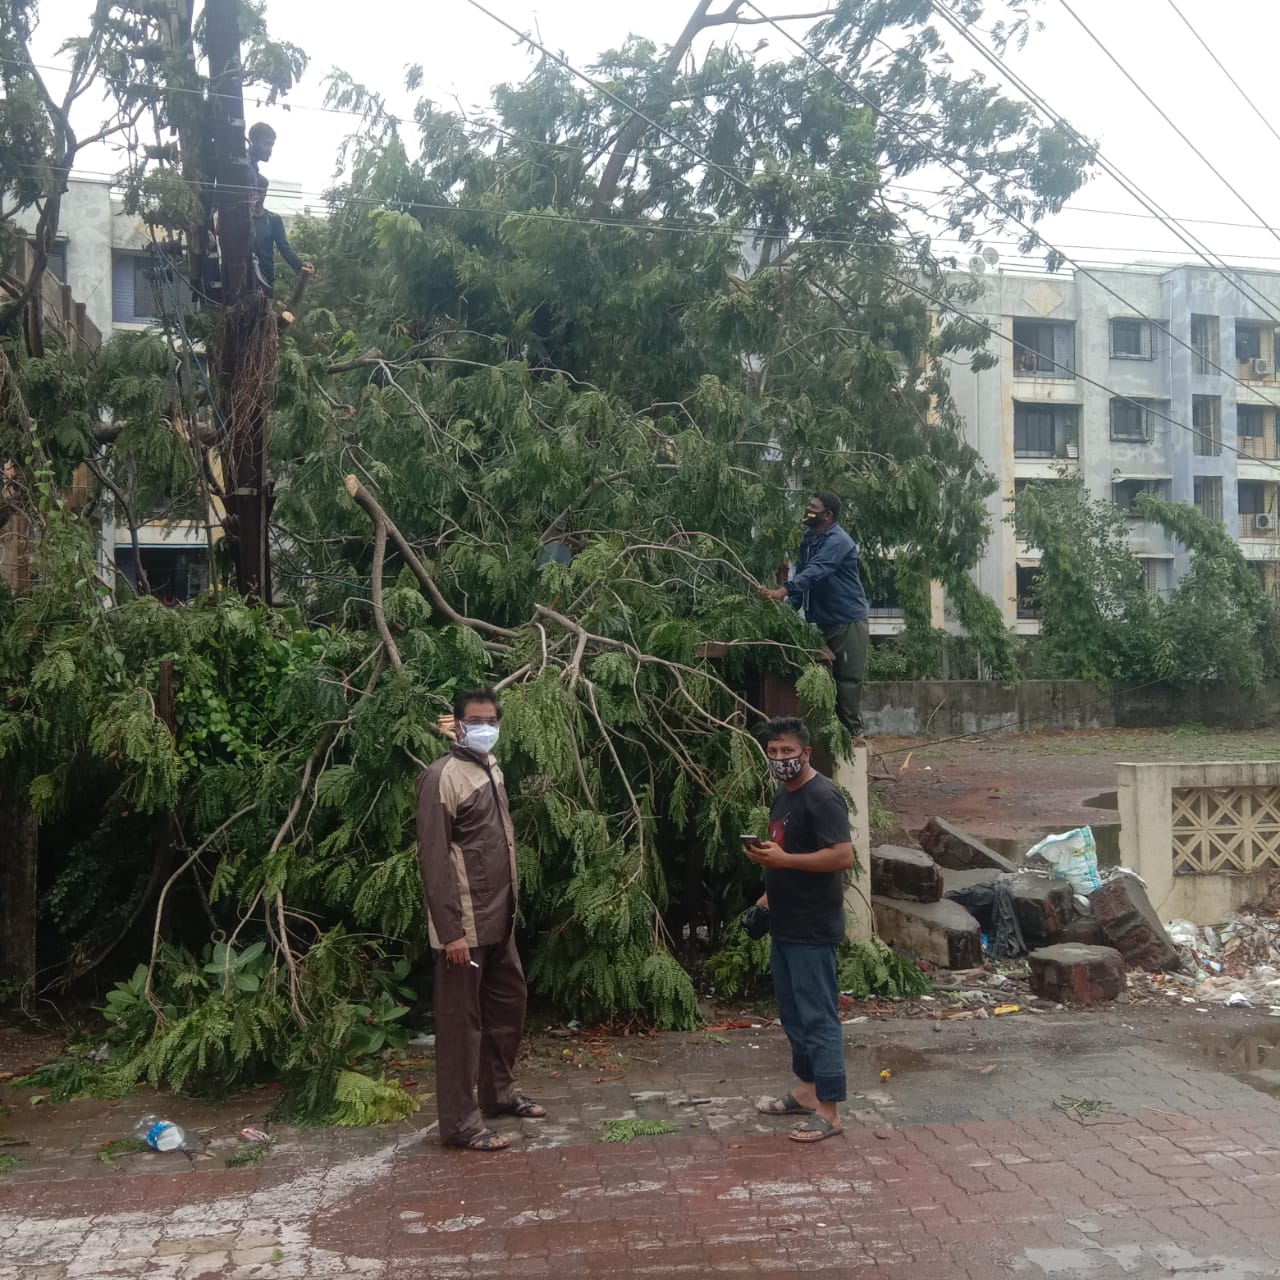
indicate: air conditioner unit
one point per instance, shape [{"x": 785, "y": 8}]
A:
[
  {"x": 1263, "y": 521},
  {"x": 1261, "y": 368}
]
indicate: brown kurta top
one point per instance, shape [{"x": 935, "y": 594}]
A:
[{"x": 467, "y": 848}]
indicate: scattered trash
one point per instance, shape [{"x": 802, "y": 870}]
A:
[
  {"x": 988, "y": 1069},
  {"x": 254, "y": 1135},
  {"x": 1074, "y": 856},
  {"x": 159, "y": 1134},
  {"x": 424, "y": 1041},
  {"x": 885, "y": 1074},
  {"x": 1238, "y": 999},
  {"x": 1002, "y": 1009}
]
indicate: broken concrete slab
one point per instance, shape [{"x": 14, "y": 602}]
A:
[
  {"x": 942, "y": 933},
  {"x": 1086, "y": 930},
  {"x": 910, "y": 874},
  {"x": 950, "y": 847},
  {"x": 1044, "y": 907},
  {"x": 1069, "y": 973},
  {"x": 1131, "y": 924}
]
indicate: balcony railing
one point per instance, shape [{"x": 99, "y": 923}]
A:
[{"x": 1259, "y": 447}]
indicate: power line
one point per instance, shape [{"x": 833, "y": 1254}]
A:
[
  {"x": 1218, "y": 62},
  {"x": 1164, "y": 115},
  {"x": 1009, "y": 213},
  {"x": 1195, "y": 244}
]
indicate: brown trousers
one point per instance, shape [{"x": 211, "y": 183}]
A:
[{"x": 479, "y": 1022}]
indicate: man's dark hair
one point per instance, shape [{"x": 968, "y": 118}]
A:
[
  {"x": 831, "y": 501},
  {"x": 785, "y": 727},
  {"x": 482, "y": 693},
  {"x": 261, "y": 130}
]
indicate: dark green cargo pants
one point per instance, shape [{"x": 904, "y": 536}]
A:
[{"x": 849, "y": 642}]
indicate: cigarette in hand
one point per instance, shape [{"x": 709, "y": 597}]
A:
[{"x": 473, "y": 964}]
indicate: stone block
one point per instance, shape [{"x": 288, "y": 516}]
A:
[
  {"x": 950, "y": 847},
  {"x": 1044, "y": 907},
  {"x": 1086, "y": 930},
  {"x": 1131, "y": 924},
  {"x": 941, "y": 933},
  {"x": 1070, "y": 973},
  {"x": 905, "y": 873}
]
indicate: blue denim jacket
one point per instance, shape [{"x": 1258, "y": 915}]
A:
[{"x": 827, "y": 584}]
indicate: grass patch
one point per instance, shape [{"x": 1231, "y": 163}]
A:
[
  {"x": 248, "y": 1155},
  {"x": 111, "y": 1151},
  {"x": 8, "y": 1163},
  {"x": 630, "y": 1130}
]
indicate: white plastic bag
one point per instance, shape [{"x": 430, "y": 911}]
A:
[{"x": 1074, "y": 856}]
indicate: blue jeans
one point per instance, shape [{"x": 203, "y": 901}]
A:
[{"x": 804, "y": 981}]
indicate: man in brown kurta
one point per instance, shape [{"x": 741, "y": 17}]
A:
[{"x": 467, "y": 848}]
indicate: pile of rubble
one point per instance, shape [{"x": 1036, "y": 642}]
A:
[
  {"x": 1074, "y": 956},
  {"x": 1235, "y": 963}
]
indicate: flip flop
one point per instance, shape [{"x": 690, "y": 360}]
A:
[
  {"x": 815, "y": 1129},
  {"x": 485, "y": 1140},
  {"x": 522, "y": 1107},
  {"x": 784, "y": 1106}
]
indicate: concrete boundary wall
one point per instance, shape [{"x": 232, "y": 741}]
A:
[
  {"x": 941, "y": 708},
  {"x": 1204, "y": 836}
]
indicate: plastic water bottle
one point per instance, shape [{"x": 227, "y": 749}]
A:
[{"x": 160, "y": 1134}]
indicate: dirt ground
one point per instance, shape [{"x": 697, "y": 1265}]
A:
[{"x": 1013, "y": 789}]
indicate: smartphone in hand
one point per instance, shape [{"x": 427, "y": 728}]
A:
[{"x": 750, "y": 842}]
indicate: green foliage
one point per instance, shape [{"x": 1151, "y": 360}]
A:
[
  {"x": 360, "y": 1100},
  {"x": 740, "y": 965},
  {"x": 76, "y": 1076},
  {"x": 1098, "y": 620},
  {"x": 628, "y": 1130},
  {"x": 871, "y": 968},
  {"x": 8, "y": 1163}
]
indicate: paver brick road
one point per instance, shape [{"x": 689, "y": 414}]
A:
[{"x": 948, "y": 1170}]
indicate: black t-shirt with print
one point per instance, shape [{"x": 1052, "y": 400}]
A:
[{"x": 807, "y": 906}]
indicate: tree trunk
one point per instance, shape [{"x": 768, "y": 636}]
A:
[
  {"x": 633, "y": 130},
  {"x": 19, "y": 843}
]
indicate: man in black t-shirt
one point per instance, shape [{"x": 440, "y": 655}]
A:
[{"x": 809, "y": 849}]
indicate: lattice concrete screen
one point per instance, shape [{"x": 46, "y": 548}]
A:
[
  {"x": 1204, "y": 836},
  {"x": 1225, "y": 830}
]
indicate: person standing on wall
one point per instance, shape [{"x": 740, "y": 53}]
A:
[
  {"x": 467, "y": 848},
  {"x": 828, "y": 586}
]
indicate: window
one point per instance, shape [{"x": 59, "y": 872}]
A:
[
  {"x": 1204, "y": 343},
  {"x": 1248, "y": 342},
  {"x": 1132, "y": 340},
  {"x": 1251, "y": 422},
  {"x": 883, "y": 600},
  {"x": 1044, "y": 431},
  {"x": 141, "y": 290},
  {"x": 1027, "y": 577},
  {"x": 1132, "y": 421},
  {"x": 1251, "y": 497},
  {"x": 1155, "y": 573},
  {"x": 1042, "y": 349},
  {"x": 177, "y": 575},
  {"x": 1207, "y": 495},
  {"x": 1206, "y": 422},
  {"x": 57, "y": 265},
  {"x": 1124, "y": 494}
]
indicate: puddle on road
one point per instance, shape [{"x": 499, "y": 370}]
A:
[
  {"x": 1251, "y": 1056},
  {"x": 1105, "y": 800},
  {"x": 1106, "y": 837}
]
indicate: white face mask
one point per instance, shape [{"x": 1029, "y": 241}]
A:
[{"x": 480, "y": 737}]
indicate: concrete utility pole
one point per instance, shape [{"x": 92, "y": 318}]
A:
[{"x": 245, "y": 309}]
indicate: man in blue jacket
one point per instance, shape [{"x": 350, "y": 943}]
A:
[{"x": 828, "y": 587}]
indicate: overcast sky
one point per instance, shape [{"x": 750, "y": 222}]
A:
[{"x": 464, "y": 53}]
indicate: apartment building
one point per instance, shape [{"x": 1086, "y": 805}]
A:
[
  {"x": 104, "y": 257},
  {"x": 1088, "y": 381}
]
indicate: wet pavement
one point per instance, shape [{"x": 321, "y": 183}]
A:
[{"x": 1135, "y": 1143}]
